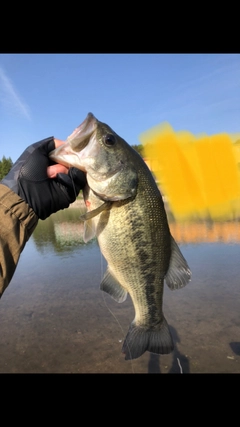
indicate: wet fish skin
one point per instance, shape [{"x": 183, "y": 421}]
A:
[{"x": 132, "y": 232}]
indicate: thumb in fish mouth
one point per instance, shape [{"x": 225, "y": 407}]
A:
[{"x": 53, "y": 170}]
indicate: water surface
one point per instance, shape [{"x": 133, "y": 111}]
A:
[{"x": 54, "y": 318}]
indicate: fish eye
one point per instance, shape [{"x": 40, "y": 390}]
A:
[{"x": 110, "y": 140}]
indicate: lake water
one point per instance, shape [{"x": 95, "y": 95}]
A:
[{"x": 54, "y": 318}]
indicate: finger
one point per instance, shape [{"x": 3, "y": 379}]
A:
[
  {"x": 53, "y": 170},
  {"x": 58, "y": 142}
]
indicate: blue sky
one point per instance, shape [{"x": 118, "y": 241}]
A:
[{"x": 50, "y": 94}]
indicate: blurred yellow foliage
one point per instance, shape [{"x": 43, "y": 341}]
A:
[{"x": 199, "y": 175}]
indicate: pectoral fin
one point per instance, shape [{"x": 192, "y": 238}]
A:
[
  {"x": 89, "y": 230},
  {"x": 111, "y": 286},
  {"x": 95, "y": 212},
  {"x": 89, "y": 225},
  {"x": 178, "y": 274}
]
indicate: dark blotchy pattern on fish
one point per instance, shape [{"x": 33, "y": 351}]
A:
[{"x": 140, "y": 227}]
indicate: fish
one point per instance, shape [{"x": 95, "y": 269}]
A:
[{"x": 126, "y": 213}]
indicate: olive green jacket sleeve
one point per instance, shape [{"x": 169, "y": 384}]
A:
[{"x": 17, "y": 223}]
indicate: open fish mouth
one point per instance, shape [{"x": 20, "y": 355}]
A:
[
  {"x": 80, "y": 137},
  {"x": 75, "y": 143}
]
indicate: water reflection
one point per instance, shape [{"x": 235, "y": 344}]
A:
[
  {"x": 61, "y": 231},
  {"x": 179, "y": 363},
  {"x": 235, "y": 346},
  {"x": 55, "y": 319},
  {"x": 64, "y": 230},
  {"x": 206, "y": 231}
]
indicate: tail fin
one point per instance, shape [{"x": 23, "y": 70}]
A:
[{"x": 140, "y": 339}]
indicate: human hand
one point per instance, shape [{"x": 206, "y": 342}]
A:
[{"x": 46, "y": 186}]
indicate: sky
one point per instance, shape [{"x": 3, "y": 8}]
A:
[{"x": 44, "y": 95}]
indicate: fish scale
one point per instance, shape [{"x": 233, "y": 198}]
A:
[{"x": 143, "y": 275}]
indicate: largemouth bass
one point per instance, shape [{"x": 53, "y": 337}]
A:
[{"x": 125, "y": 211}]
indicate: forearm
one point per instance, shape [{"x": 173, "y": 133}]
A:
[{"x": 18, "y": 222}]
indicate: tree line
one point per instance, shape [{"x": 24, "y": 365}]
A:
[{"x": 5, "y": 166}]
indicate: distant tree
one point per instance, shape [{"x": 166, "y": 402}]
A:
[
  {"x": 5, "y": 166},
  {"x": 139, "y": 149}
]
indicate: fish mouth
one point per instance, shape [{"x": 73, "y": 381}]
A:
[
  {"x": 79, "y": 138},
  {"x": 67, "y": 153},
  {"x": 84, "y": 150}
]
